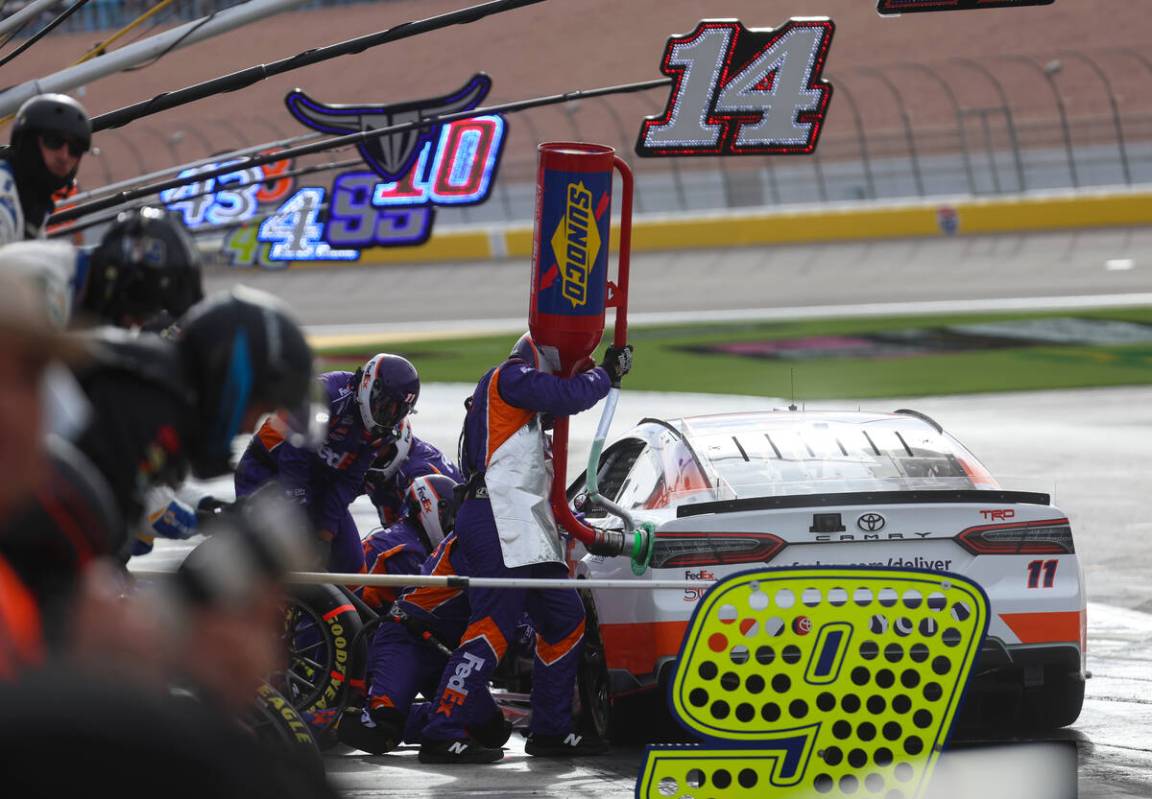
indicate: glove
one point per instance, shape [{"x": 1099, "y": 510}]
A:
[
  {"x": 174, "y": 520},
  {"x": 209, "y": 508},
  {"x": 617, "y": 362},
  {"x": 141, "y": 546}
]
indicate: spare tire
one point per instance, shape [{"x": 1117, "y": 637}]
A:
[{"x": 321, "y": 634}]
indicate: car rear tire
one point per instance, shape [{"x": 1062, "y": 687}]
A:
[
  {"x": 593, "y": 706},
  {"x": 1055, "y": 704}
]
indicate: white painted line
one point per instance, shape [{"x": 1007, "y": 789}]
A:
[
  {"x": 503, "y": 325},
  {"x": 1119, "y": 264}
]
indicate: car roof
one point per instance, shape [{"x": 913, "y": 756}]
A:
[{"x": 783, "y": 418}]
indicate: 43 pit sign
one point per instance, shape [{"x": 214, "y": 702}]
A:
[{"x": 361, "y": 210}]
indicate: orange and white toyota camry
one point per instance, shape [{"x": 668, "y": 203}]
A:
[{"x": 803, "y": 488}]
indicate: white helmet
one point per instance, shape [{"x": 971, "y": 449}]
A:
[
  {"x": 431, "y": 499},
  {"x": 393, "y": 454}
]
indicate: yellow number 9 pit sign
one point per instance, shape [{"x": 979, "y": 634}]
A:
[{"x": 835, "y": 682}]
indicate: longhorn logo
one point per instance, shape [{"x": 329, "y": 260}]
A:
[{"x": 390, "y": 156}]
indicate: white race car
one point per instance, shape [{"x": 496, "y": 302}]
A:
[{"x": 793, "y": 488}]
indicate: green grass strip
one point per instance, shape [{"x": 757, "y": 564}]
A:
[{"x": 662, "y": 363}]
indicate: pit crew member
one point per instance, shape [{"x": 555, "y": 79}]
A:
[
  {"x": 365, "y": 408},
  {"x": 50, "y": 135},
  {"x": 506, "y": 529}
]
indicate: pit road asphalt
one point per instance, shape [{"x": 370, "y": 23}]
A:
[
  {"x": 1093, "y": 448},
  {"x": 1090, "y": 447}
]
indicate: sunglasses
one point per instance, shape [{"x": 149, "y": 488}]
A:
[{"x": 54, "y": 141}]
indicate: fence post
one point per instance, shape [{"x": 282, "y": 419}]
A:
[
  {"x": 865, "y": 159},
  {"x": 951, "y": 95},
  {"x": 773, "y": 183},
  {"x": 1115, "y": 106},
  {"x": 1046, "y": 72},
  {"x": 1013, "y": 139},
  {"x": 908, "y": 135},
  {"x": 623, "y": 134},
  {"x": 990, "y": 146}
]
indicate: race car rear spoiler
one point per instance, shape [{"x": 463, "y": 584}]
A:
[{"x": 865, "y": 498}]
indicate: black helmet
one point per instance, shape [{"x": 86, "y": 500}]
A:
[
  {"x": 242, "y": 349},
  {"x": 55, "y": 114},
  {"x": 145, "y": 266}
]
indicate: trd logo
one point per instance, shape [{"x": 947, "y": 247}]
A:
[{"x": 998, "y": 514}]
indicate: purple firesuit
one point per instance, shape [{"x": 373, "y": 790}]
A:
[
  {"x": 388, "y": 495},
  {"x": 514, "y": 536},
  {"x": 325, "y": 481},
  {"x": 399, "y": 549},
  {"x": 402, "y": 662}
]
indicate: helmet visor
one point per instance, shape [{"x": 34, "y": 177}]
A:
[{"x": 387, "y": 412}]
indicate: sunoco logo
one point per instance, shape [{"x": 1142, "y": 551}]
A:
[{"x": 576, "y": 243}]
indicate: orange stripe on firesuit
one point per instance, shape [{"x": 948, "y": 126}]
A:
[
  {"x": 486, "y": 628},
  {"x": 550, "y": 653},
  {"x": 379, "y": 595},
  {"x": 428, "y": 597},
  {"x": 503, "y": 419}
]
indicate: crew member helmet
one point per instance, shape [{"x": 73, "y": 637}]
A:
[
  {"x": 145, "y": 266},
  {"x": 431, "y": 500},
  {"x": 387, "y": 388}
]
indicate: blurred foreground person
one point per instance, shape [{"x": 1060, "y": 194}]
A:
[
  {"x": 50, "y": 135},
  {"x": 163, "y": 407},
  {"x": 365, "y": 409},
  {"x": 506, "y": 529},
  {"x": 144, "y": 274},
  {"x": 130, "y": 742},
  {"x": 69, "y": 522},
  {"x": 29, "y": 343}
]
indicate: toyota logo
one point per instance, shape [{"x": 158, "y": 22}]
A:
[{"x": 871, "y": 522}]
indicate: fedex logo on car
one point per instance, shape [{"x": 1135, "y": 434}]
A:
[{"x": 694, "y": 594}]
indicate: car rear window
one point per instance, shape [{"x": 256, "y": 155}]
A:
[{"x": 792, "y": 455}]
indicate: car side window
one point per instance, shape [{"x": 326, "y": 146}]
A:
[
  {"x": 644, "y": 485},
  {"x": 616, "y": 463}
]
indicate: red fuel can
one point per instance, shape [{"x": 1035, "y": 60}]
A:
[{"x": 570, "y": 249}]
